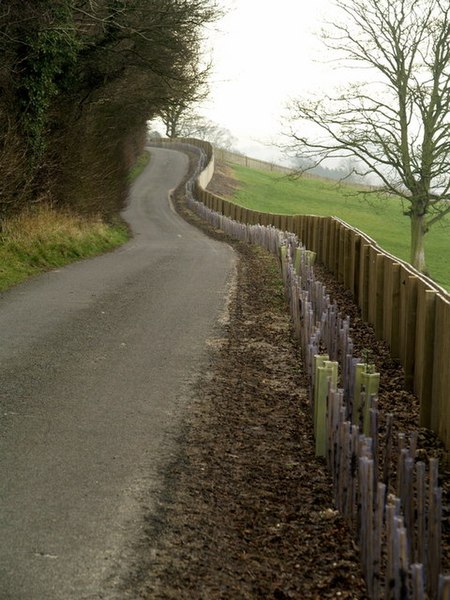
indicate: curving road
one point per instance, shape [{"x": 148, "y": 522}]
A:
[{"x": 96, "y": 361}]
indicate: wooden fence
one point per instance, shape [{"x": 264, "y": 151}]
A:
[
  {"x": 407, "y": 310},
  {"x": 394, "y": 505}
]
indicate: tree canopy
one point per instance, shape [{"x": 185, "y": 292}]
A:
[
  {"x": 78, "y": 82},
  {"x": 395, "y": 124}
]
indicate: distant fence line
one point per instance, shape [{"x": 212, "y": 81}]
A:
[
  {"x": 251, "y": 163},
  {"x": 261, "y": 165},
  {"x": 407, "y": 310}
]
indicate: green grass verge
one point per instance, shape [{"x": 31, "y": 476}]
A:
[
  {"x": 138, "y": 167},
  {"x": 380, "y": 218},
  {"x": 44, "y": 239}
]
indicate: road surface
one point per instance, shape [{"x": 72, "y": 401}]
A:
[{"x": 97, "y": 361}]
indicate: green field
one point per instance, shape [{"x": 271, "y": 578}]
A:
[{"x": 380, "y": 218}]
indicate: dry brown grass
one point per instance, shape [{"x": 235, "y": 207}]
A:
[
  {"x": 41, "y": 238},
  {"x": 41, "y": 222}
]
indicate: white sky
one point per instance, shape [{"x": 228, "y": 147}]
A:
[{"x": 263, "y": 54}]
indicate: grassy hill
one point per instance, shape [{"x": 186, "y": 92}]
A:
[{"x": 379, "y": 217}]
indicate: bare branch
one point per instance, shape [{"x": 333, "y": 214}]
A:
[{"x": 400, "y": 127}]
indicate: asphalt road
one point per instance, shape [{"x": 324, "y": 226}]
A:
[{"x": 97, "y": 361}]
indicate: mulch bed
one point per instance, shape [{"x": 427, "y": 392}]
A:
[{"x": 252, "y": 514}]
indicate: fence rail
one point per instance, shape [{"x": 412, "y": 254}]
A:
[{"x": 407, "y": 310}]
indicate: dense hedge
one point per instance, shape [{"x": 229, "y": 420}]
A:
[{"x": 78, "y": 81}]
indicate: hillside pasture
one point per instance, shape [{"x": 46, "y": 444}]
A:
[{"x": 379, "y": 217}]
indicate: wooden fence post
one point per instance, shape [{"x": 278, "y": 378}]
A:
[
  {"x": 375, "y": 291},
  {"x": 275, "y": 220},
  {"x": 331, "y": 245},
  {"x": 290, "y": 223},
  {"x": 227, "y": 208},
  {"x": 425, "y": 332},
  {"x": 336, "y": 249},
  {"x": 324, "y": 256},
  {"x": 379, "y": 312},
  {"x": 356, "y": 256},
  {"x": 440, "y": 410},
  {"x": 348, "y": 259},
  {"x": 341, "y": 253},
  {"x": 408, "y": 336},
  {"x": 392, "y": 309},
  {"x": 316, "y": 235},
  {"x": 364, "y": 279}
]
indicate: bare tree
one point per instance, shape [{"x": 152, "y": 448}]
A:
[
  {"x": 184, "y": 94},
  {"x": 397, "y": 126},
  {"x": 197, "y": 126}
]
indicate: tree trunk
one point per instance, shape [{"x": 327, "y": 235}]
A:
[{"x": 418, "y": 231}]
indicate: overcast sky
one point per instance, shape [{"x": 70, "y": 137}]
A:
[{"x": 263, "y": 54}]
